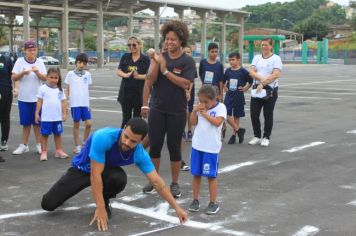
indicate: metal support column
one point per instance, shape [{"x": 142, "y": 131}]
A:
[
  {"x": 157, "y": 26},
  {"x": 82, "y": 46},
  {"x": 130, "y": 25},
  {"x": 100, "y": 34},
  {"x": 203, "y": 17},
  {"x": 223, "y": 40},
  {"x": 26, "y": 20},
  {"x": 65, "y": 34},
  {"x": 241, "y": 39}
]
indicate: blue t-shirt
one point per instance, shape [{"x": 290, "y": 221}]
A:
[
  {"x": 211, "y": 73},
  {"x": 234, "y": 79},
  {"x": 103, "y": 147}
]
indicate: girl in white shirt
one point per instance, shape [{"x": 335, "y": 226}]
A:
[
  {"x": 208, "y": 116},
  {"x": 52, "y": 101}
]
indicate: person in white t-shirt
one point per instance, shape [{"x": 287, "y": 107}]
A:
[
  {"x": 265, "y": 69},
  {"x": 53, "y": 107},
  {"x": 208, "y": 116},
  {"x": 77, "y": 87},
  {"x": 28, "y": 72}
]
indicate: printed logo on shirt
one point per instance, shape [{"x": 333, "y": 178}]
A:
[
  {"x": 212, "y": 113},
  {"x": 209, "y": 76},
  {"x": 85, "y": 80},
  {"x": 177, "y": 71},
  {"x": 233, "y": 84},
  {"x": 132, "y": 68},
  {"x": 206, "y": 168}
]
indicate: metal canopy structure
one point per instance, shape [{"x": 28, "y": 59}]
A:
[{"x": 101, "y": 10}]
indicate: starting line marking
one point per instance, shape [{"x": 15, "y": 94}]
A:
[
  {"x": 236, "y": 166},
  {"x": 296, "y": 149},
  {"x": 307, "y": 230},
  {"x": 351, "y": 132}
]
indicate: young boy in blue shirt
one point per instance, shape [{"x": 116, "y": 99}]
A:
[{"x": 236, "y": 81}]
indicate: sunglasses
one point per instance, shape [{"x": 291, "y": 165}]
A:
[{"x": 131, "y": 45}]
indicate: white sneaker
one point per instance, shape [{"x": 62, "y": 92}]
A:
[
  {"x": 254, "y": 141},
  {"x": 77, "y": 149},
  {"x": 38, "y": 148},
  {"x": 22, "y": 148},
  {"x": 265, "y": 142}
]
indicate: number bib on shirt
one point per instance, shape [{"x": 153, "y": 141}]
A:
[
  {"x": 233, "y": 84},
  {"x": 208, "y": 79}
]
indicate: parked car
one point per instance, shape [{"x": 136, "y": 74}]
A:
[
  {"x": 94, "y": 60},
  {"x": 71, "y": 60},
  {"x": 48, "y": 60}
]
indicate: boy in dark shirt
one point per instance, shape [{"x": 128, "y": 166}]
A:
[{"x": 236, "y": 81}]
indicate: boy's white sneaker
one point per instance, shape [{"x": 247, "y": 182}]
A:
[
  {"x": 22, "y": 148},
  {"x": 38, "y": 148},
  {"x": 265, "y": 142},
  {"x": 254, "y": 141}
]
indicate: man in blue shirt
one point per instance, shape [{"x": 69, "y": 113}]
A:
[{"x": 99, "y": 165}]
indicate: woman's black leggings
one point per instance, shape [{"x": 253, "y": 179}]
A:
[
  {"x": 131, "y": 105},
  {"x": 5, "y": 108},
  {"x": 74, "y": 181},
  {"x": 256, "y": 106},
  {"x": 159, "y": 124}
]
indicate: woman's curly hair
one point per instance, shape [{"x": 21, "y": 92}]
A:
[{"x": 177, "y": 27}]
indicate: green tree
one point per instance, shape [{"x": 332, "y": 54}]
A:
[
  {"x": 3, "y": 36},
  {"x": 89, "y": 43},
  {"x": 314, "y": 27},
  {"x": 353, "y": 23}
]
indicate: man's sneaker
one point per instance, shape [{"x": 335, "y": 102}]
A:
[
  {"x": 265, "y": 142},
  {"x": 3, "y": 146},
  {"x": 22, "y": 148},
  {"x": 189, "y": 136},
  {"x": 108, "y": 207},
  {"x": 212, "y": 208},
  {"x": 232, "y": 139},
  {"x": 175, "y": 190},
  {"x": 61, "y": 154},
  {"x": 77, "y": 149},
  {"x": 241, "y": 133},
  {"x": 194, "y": 206},
  {"x": 38, "y": 148},
  {"x": 254, "y": 141},
  {"x": 148, "y": 189},
  {"x": 2, "y": 159},
  {"x": 43, "y": 156},
  {"x": 184, "y": 166}
]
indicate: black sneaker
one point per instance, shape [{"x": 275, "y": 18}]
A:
[
  {"x": 4, "y": 146},
  {"x": 175, "y": 190},
  {"x": 194, "y": 206},
  {"x": 232, "y": 139},
  {"x": 148, "y": 188},
  {"x": 212, "y": 208},
  {"x": 241, "y": 133},
  {"x": 184, "y": 167},
  {"x": 2, "y": 159},
  {"x": 108, "y": 207}
]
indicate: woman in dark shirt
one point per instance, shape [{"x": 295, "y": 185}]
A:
[
  {"x": 5, "y": 100},
  {"x": 170, "y": 75},
  {"x": 132, "y": 69}
]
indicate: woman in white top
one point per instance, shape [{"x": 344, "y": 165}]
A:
[{"x": 265, "y": 69}]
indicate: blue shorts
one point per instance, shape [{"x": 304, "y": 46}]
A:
[
  {"x": 234, "y": 107},
  {"x": 49, "y": 127},
  {"x": 191, "y": 101},
  {"x": 204, "y": 164},
  {"x": 27, "y": 112},
  {"x": 80, "y": 113}
]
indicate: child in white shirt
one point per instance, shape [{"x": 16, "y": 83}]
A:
[
  {"x": 77, "y": 89},
  {"x": 208, "y": 116},
  {"x": 52, "y": 105}
]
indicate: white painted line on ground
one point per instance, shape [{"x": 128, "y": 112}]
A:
[
  {"x": 110, "y": 111},
  {"x": 159, "y": 213},
  {"x": 351, "y": 132},
  {"x": 296, "y": 149},
  {"x": 133, "y": 197},
  {"x": 318, "y": 82},
  {"x": 352, "y": 203},
  {"x": 236, "y": 166},
  {"x": 318, "y": 98},
  {"x": 155, "y": 231},
  {"x": 307, "y": 230}
]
